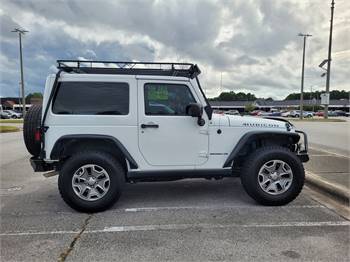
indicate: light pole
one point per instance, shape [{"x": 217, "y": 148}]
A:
[
  {"x": 329, "y": 60},
  {"x": 221, "y": 83},
  {"x": 302, "y": 76},
  {"x": 20, "y": 32}
]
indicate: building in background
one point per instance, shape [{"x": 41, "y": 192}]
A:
[
  {"x": 267, "y": 105},
  {"x": 14, "y": 103}
]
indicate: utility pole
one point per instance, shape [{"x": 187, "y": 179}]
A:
[
  {"x": 221, "y": 84},
  {"x": 312, "y": 100},
  {"x": 302, "y": 76},
  {"x": 329, "y": 60},
  {"x": 20, "y": 32}
]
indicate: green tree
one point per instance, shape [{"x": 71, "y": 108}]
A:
[
  {"x": 249, "y": 107},
  {"x": 334, "y": 94},
  {"x": 33, "y": 95},
  {"x": 232, "y": 96}
]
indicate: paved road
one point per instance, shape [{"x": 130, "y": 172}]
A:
[
  {"x": 330, "y": 136},
  {"x": 193, "y": 220},
  {"x": 330, "y": 150}
]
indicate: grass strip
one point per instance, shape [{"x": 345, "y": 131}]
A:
[{"x": 8, "y": 129}]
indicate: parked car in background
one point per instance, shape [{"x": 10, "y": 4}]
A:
[
  {"x": 340, "y": 113},
  {"x": 272, "y": 112},
  {"x": 255, "y": 112},
  {"x": 296, "y": 113},
  {"x": 263, "y": 113},
  {"x": 5, "y": 115},
  {"x": 332, "y": 113},
  {"x": 232, "y": 112},
  {"x": 308, "y": 114},
  {"x": 14, "y": 114},
  {"x": 276, "y": 113},
  {"x": 286, "y": 114},
  {"x": 319, "y": 113},
  {"x": 220, "y": 112}
]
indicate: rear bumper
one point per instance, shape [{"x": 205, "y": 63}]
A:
[
  {"x": 303, "y": 148},
  {"x": 39, "y": 165}
]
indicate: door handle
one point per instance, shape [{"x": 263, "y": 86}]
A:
[{"x": 149, "y": 126}]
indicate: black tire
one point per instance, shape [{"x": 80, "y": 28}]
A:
[
  {"x": 31, "y": 122},
  {"x": 249, "y": 175},
  {"x": 113, "y": 168}
]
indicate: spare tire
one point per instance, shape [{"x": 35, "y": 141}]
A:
[{"x": 32, "y": 121}]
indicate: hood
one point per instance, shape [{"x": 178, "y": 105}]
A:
[{"x": 247, "y": 121}]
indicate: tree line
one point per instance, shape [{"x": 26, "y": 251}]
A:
[
  {"x": 334, "y": 94},
  {"x": 232, "y": 96},
  {"x": 33, "y": 95},
  {"x": 241, "y": 96}
]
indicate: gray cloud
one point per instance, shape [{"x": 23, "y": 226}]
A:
[{"x": 253, "y": 42}]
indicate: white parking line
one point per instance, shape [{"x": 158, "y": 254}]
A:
[
  {"x": 150, "y": 209},
  {"x": 214, "y": 226},
  {"x": 33, "y": 233},
  {"x": 329, "y": 152},
  {"x": 182, "y": 227},
  {"x": 320, "y": 155}
]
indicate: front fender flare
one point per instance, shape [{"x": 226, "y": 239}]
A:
[{"x": 253, "y": 135}]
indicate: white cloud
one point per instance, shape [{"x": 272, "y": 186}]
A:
[{"x": 254, "y": 44}]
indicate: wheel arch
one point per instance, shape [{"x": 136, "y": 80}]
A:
[
  {"x": 67, "y": 145},
  {"x": 255, "y": 139}
]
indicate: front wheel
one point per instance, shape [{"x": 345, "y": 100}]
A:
[
  {"x": 91, "y": 181},
  {"x": 273, "y": 176}
]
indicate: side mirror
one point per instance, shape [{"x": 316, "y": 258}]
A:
[{"x": 196, "y": 110}]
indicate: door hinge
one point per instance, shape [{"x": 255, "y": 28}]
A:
[{"x": 203, "y": 154}]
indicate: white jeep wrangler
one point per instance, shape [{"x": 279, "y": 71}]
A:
[{"x": 105, "y": 123}]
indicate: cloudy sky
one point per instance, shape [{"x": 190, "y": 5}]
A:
[{"x": 253, "y": 44}]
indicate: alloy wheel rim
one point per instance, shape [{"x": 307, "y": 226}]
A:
[
  {"x": 90, "y": 182},
  {"x": 275, "y": 177}
]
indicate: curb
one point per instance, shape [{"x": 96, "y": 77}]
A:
[{"x": 336, "y": 191}]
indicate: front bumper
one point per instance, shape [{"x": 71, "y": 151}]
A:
[
  {"x": 302, "y": 151},
  {"x": 39, "y": 165}
]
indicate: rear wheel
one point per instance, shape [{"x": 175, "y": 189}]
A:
[
  {"x": 273, "y": 176},
  {"x": 91, "y": 181}
]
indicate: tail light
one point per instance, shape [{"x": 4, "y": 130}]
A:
[{"x": 37, "y": 135}]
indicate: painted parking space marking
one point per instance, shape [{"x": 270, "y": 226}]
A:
[
  {"x": 129, "y": 228},
  {"x": 317, "y": 155},
  {"x": 217, "y": 226},
  {"x": 329, "y": 152},
  {"x": 150, "y": 209}
]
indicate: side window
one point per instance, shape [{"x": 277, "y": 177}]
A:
[
  {"x": 91, "y": 98},
  {"x": 167, "y": 99}
]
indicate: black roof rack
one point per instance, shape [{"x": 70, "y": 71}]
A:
[{"x": 129, "y": 68}]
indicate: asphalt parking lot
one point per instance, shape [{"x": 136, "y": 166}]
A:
[{"x": 190, "y": 220}]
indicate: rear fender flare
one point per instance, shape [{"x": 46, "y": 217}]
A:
[{"x": 64, "y": 142}]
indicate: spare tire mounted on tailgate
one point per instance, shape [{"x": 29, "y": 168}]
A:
[{"x": 31, "y": 123}]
